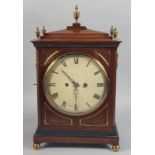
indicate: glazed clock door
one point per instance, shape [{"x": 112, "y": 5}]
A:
[{"x": 75, "y": 84}]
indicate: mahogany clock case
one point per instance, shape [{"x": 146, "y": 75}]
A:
[
  {"x": 99, "y": 125},
  {"x": 50, "y": 118},
  {"x": 105, "y": 16}
]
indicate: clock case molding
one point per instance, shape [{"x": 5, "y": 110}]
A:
[{"x": 97, "y": 127}]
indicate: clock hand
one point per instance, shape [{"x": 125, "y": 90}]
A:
[
  {"x": 71, "y": 80},
  {"x": 75, "y": 84},
  {"x": 75, "y": 93}
]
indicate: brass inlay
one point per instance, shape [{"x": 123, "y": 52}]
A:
[
  {"x": 46, "y": 61},
  {"x": 102, "y": 58},
  {"x": 45, "y": 119},
  {"x": 105, "y": 124}
]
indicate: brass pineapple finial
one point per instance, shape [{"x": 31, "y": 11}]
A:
[
  {"x": 76, "y": 14},
  {"x": 113, "y": 32},
  {"x": 43, "y": 31},
  {"x": 38, "y": 33}
]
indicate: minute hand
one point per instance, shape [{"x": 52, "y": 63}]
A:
[{"x": 71, "y": 80}]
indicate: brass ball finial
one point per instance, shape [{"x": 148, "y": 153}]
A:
[
  {"x": 36, "y": 146},
  {"x": 76, "y": 14},
  {"x": 115, "y": 148}
]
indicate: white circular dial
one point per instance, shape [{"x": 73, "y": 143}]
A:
[{"x": 75, "y": 84}]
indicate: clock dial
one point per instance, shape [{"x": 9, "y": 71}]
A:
[{"x": 75, "y": 84}]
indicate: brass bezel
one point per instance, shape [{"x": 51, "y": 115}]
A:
[{"x": 52, "y": 102}]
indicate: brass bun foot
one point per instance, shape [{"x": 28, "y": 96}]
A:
[
  {"x": 115, "y": 148},
  {"x": 36, "y": 146}
]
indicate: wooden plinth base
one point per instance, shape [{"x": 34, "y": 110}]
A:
[{"x": 77, "y": 137}]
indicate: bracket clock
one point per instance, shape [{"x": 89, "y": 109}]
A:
[{"x": 76, "y": 83}]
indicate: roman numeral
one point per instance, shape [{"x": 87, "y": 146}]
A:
[
  {"x": 75, "y": 107},
  {"x": 63, "y": 105},
  {"x": 100, "y": 84},
  {"x": 55, "y": 72},
  {"x": 70, "y": 105},
  {"x": 96, "y": 96},
  {"x": 97, "y": 72},
  {"x": 76, "y": 60},
  {"x": 55, "y": 95},
  {"x": 63, "y": 62},
  {"x": 88, "y": 63},
  {"x": 88, "y": 105},
  {"x": 52, "y": 84}
]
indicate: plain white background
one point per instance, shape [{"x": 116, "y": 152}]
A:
[
  {"x": 98, "y": 15},
  {"x": 11, "y": 15}
]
